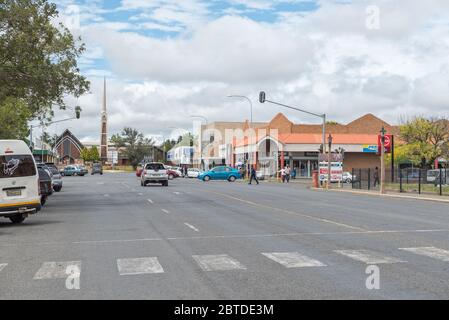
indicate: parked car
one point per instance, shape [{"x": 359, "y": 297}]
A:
[
  {"x": 221, "y": 173},
  {"x": 72, "y": 171},
  {"x": 139, "y": 172},
  {"x": 172, "y": 174},
  {"x": 154, "y": 173},
  {"x": 45, "y": 184},
  {"x": 83, "y": 170},
  {"x": 433, "y": 176},
  {"x": 19, "y": 181},
  {"x": 347, "y": 177},
  {"x": 193, "y": 173},
  {"x": 97, "y": 168},
  {"x": 53, "y": 172}
]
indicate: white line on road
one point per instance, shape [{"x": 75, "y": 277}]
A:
[
  {"x": 293, "y": 260},
  {"x": 137, "y": 266},
  {"x": 431, "y": 252},
  {"x": 150, "y": 201},
  {"x": 140, "y": 194},
  {"x": 55, "y": 270},
  {"x": 107, "y": 195},
  {"x": 368, "y": 256},
  {"x": 3, "y": 266},
  {"x": 192, "y": 227},
  {"x": 165, "y": 211},
  {"x": 218, "y": 263},
  {"x": 177, "y": 193}
]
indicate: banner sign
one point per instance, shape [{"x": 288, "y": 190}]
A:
[
  {"x": 388, "y": 143},
  {"x": 336, "y": 171},
  {"x": 370, "y": 148}
]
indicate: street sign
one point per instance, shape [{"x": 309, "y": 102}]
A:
[
  {"x": 388, "y": 143},
  {"x": 336, "y": 171}
]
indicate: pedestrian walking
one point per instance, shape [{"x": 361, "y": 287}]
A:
[
  {"x": 253, "y": 176},
  {"x": 283, "y": 175},
  {"x": 376, "y": 177},
  {"x": 294, "y": 173},
  {"x": 287, "y": 174}
]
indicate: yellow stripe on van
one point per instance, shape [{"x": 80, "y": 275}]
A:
[{"x": 19, "y": 204}]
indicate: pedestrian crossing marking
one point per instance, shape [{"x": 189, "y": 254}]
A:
[
  {"x": 3, "y": 266},
  {"x": 293, "y": 260},
  {"x": 431, "y": 252},
  {"x": 369, "y": 257},
  {"x": 138, "y": 266},
  {"x": 221, "y": 262},
  {"x": 55, "y": 270}
]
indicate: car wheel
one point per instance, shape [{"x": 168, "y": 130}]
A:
[
  {"x": 17, "y": 219},
  {"x": 165, "y": 184},
  {"x": 206, "y": 178},
  {"x": 57, "y": 189},
  {"x": 232, "y": 179},
  {"x": 171, "y": 177}
]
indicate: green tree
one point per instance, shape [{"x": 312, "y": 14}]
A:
[
  {"x": 94, "y": 155},
  {"x": 14, "y": 115},
  {"x": 38, "y": 60},
  {"x": 136, "y": 146},
  {"x": 85, "y": 155},
  {"x": 424, "y": 140}
]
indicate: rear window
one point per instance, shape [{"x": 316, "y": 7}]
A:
[
  {"x": 16, "y": 166},
  {"x": 155, "y": 166},
  {"x": 53, "y": 170}
]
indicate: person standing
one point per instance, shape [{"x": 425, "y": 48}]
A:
[
  {"x": 283, "y": 175},
  {"x": 376, "y": 177},
  {"x": 253, "y": 176}
]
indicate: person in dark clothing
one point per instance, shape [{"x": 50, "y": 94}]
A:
[
  {"x": 253, "y": 176},
  {"x": 376, "y": 177}
]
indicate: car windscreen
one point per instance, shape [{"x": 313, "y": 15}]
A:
[
  {"x": 155, "y": 166},
  {"x": 433, "y": 173},
  {"x": 43, "y": 175},
  {"x": 16, "y": 166},
  {"x": 53, "y": 170}
]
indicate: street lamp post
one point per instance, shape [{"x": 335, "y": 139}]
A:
[
  {"x": 250, "y": 126},
  {"x": 263, "y": 99}
]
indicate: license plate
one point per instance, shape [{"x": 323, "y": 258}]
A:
[{"x": 13, "y": 193}]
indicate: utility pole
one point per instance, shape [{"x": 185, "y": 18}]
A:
[
  {"x": 329, "y": 163},
  {"x": 382, "y": 161}
]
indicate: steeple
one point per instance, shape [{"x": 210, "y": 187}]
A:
[{"x": 104, "y": 127}]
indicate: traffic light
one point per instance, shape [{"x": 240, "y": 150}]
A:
[
  {"x": 78, "y": 112},
  {"x": 262, "y": 97}
]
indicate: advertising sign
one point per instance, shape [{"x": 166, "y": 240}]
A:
[
  {"x": 388, "y": 143},
  {"x": 370, "y": 148},
  {"x": 336, "y": 171}
]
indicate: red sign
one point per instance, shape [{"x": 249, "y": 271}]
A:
[{"x": 388, "y": 143}]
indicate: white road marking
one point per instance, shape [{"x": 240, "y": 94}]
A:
[
  {"x": 177, "y": 193},
  {"x": 107, "y": 195},
  {"x": 293, "y": 260},
  {"x": 431, "y": 252},
  {"x": 55, "y": 270},
  {"x": 192, "y": 227},
  {"x": 218, "y": 263},
  {"x": 369, "y": 257},
  {"x": 137, "y": 266},
  {"x": 165, "y": 211},
  {"x": 150, "y": 201},
  {"x": 140, "y": 194},
  {"x": 3, "y": 266}
]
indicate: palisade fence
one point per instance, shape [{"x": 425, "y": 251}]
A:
[{"x": 409, "y": 180}]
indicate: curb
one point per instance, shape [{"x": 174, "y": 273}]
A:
[{"x": 384, "y": 195}]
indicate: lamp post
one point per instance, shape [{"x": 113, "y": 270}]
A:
[
  {"x": 250, "y": 125},
  {"x": 201, "y": 139},
  {"x": 382, "y": 160},
  {"x": 329, "y": 162},
  {"x": 263, "y": 99}
]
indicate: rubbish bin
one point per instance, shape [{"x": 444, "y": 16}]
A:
[{"x": 315, "y": 182}]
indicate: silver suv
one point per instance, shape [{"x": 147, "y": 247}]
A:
[{"x": 154, "y": 173}]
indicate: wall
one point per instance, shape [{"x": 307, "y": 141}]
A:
[{"x": 361, "y": 161}]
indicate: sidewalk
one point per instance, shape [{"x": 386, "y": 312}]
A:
[{"x": 390, "y": 194}]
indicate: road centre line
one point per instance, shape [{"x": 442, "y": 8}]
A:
[
  {"x": 165, "y": 211},
  {"x": 288, "y": 211},
  {"x": 150, "y": 201},
  {"x": 192, "y": 227}
]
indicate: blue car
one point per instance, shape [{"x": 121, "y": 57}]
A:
[{"x": 221, "y": 173}]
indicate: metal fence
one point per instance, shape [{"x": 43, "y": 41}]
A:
[{"x": 409, "y": 180}]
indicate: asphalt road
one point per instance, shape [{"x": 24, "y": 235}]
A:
[{"x": 223, "y": 240}]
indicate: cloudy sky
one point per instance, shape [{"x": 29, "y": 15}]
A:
[{"x": 166, "y": 60}]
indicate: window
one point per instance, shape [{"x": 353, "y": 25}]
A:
[
  {"x": 155, "y": 167},
  {"x": 16, "y": 166}
]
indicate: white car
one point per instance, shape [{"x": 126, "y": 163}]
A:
[
  {"x": 154, "y": 173},
  {"x": 193, "y": 173},
  {"x": 347, "y": 177},
  {"x": 19, "y": 181}
]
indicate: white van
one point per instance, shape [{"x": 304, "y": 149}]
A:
[{"x": 19, "y": 181}]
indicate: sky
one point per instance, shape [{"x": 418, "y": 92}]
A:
[{"x": 166, "y": 60}]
